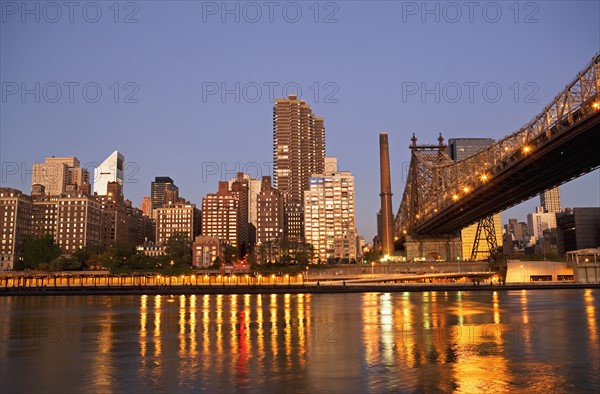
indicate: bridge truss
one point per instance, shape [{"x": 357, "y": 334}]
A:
[{"x": 561, "y": 143}]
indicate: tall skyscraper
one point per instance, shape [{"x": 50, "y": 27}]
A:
[
  {"x": 58, "y": 172},
  {"x": 158, "y": 189},
  {"x": 329, "y": 215},
  {"x": 458, "y": 149},
  {"x": 111, "y": 170},
  {"x": 550, "y": 200},
  {"x": 298, "y": 153},
  {"x": 248, "y": 189}
]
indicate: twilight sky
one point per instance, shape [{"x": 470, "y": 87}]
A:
[{"x": 185, "y": 88}]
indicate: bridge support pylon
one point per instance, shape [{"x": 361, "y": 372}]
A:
[
  {"x": 439, "y": 247},
  {"x": 487, "y": 231}
]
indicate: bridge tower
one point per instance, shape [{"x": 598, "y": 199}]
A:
[
  {"x": 485, "y": 229},
  {"x": 420, "y": 176}
]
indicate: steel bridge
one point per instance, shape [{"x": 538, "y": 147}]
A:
[{"x": 443, "y": 196}]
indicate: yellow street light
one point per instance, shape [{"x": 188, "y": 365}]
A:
[{"x": 526, "y": 149}]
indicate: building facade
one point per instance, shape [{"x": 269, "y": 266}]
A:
[
  {"x": 111, "y": 170},
  {"x": 270, "y": 215},
  {"x": 58, "y": 172},
  {"x": 205, "y": 250},
  {"x": 329, "y": 216},
  {"x": 539, "y": 221},
  {"x": 220, "y": 215},
  {"x": 578, "y": 229},
  {"x": 298, "y": 153},
  {"x": 175, "y": 219},
  {"x": 158, "y": 188},
  {"x": 146, "y": 206},
  {"x": 550, "y": 200},
  {"x": 15, "y": 219},
  {"x": 78, "y": 222}
]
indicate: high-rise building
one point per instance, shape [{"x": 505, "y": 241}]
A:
[
  {"x": 15, "y": 221},
  {"x": 458, "y": 149},
  {"x": 254, "y": 187},
  {"x": 241, "y": 187},
  {"x": 329, "y": 215},
  {"x": 270, "y": 218},
  {"x": 111, "y": 170},
  {"x": 178, "y": 218},
  {"x": 58, "y": 172},
  {"x": 159, "y": 188},
  {"x": 550, "y": 200},
  {"x": 578, "y": 228},
  {"x": 539, "y": 221},
  {"x": 114, "y": 215},
  {"x": 141, "y": 229},
  {"x": 220, "y": 215},
  {"x": 78, "y": 221},
  {"x": 298, "y": 153},
  {"x": 146, "y": 206},
  {"x": 44, "y": 212}
]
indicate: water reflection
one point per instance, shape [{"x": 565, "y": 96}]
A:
[{"x": 372, "y": 342}]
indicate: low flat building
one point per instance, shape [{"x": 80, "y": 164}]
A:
[{"x": 518, "y": 271}]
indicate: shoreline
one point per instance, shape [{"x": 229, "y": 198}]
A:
[{"x": 281, "y": 289}]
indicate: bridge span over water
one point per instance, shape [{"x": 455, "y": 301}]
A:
[{"x": 559, "y": 144}]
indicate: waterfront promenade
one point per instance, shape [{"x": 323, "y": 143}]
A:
[{"x": 65, "y": 283}]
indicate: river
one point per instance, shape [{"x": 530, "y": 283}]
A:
[{"x": 460, "y": 341}]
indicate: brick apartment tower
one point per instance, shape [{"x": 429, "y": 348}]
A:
[{"x": 298, "y": 152}]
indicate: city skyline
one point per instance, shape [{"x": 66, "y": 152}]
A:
[{"x": 184, "y": 126}]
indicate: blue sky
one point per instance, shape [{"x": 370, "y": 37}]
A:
[{"x": 487, "y": 71}]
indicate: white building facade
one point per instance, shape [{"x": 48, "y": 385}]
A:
[
  {"x": 111, "y": 170},
  {"x": 329, "y": 215}
]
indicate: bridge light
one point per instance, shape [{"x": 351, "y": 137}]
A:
[
  {"x": 484, "y": 177},
  {"x": 526, "y": 149},
  {"x": 466, "y": 189},
  {"x": 596, "y": 105},
  {"x": 455, "y": 197}
]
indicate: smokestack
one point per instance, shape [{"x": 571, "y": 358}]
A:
[{"x": 387, "y": 225}]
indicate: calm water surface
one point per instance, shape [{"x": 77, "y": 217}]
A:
[{"x": 485, "y": 341}]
